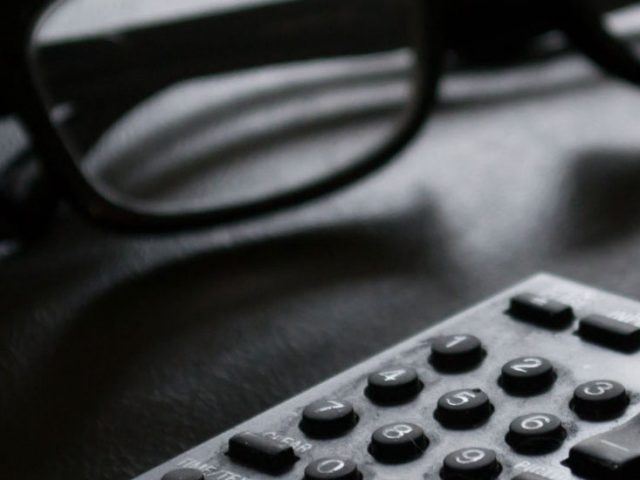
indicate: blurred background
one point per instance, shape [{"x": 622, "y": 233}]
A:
[{"x": 119, "y": 351}]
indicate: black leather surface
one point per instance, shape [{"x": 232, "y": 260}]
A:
[{"x": 119, "y": 351}]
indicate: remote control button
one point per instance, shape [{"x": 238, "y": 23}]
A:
[
  {"x": 332, "y": 469},
  {"x": 184, "y": 474},
  {"x": 261, "y": 453},
  {"x": 610, "y": 332},
  {"x": 398, "y": 443},
  {"x": 471, "y": 464},
  {"x": 614, "y": 455},
  {"x": 463, "y": 408},
  {"x": 540, "y": 310},
  {"x": 328, "y": 418},
  {"x": 455, "y": 353},
  {"x": 536, "y": 433},
  {"x": 529, "y": 476},
  {"x": 394, "y": 385},
  {"x": 600, "y": 400},
  {"x": 527, "y": 375}
]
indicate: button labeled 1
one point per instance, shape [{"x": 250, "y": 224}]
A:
[{"x": 456, "y": 353}]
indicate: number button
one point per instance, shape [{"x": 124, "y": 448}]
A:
[
  {"x": 328, "y": 418},
  {"x": 527, "y": 376},
  {"x": 184, "y": 474},
  {"x": 471, "y": 463},
  {"x": 394, "y": 385},
  {"x": 462, "y": 409},
  {"x": 398, "y": 443},
  {"x": 600, "y": 400},
  {"x": 456, "y": 353},
  {"x": 536, "y": 433},
  {"x": 332, "y": 469}
]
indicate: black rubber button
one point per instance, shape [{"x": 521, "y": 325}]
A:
[
  {"x": 328, "y": 418},
  {"x": 600, "y": 400},
  {"x": 527, "y": 375},
  {"x": 611, "y": 455},
  {"x": 471, "y": 464},
  {"x": 536, "y": 433},
  {"x": 610, "y": 332},
  {"x": 394, "y": 385},
  {"x": 332, "y": 468},
  {"x": 455, "y": 353},
  {"x": 184, "y": 474},
  {"x": 462, "y": 409},
  {"x": 540, "y": 310},
  {"x": 262, "y": 453},
  {"x": 398, "y": 443}
]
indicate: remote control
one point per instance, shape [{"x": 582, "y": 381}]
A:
[{"x": 539, "y": 382}]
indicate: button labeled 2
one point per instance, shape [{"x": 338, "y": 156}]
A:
[{"x": 527, "y": 375}]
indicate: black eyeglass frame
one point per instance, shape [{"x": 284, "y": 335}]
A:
[
  {"x": 583, "y": 24},
  {"x": 72, "y": 185}
]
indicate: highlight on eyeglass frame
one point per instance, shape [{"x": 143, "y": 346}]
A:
[
  {"x": 622, "y": 21},
  {"x": 193, "y": 105}
]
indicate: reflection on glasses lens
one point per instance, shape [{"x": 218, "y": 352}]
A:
[{"x": 202, "y": 104}]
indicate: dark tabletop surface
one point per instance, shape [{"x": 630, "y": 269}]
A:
[{"x": 119, "y": 351}]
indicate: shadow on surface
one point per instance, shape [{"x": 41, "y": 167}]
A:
[
  {"x": 181, "y": 353},
  {"x": 603, "y": 203}
]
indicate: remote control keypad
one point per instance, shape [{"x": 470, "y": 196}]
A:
[{"x": 359, "y": 426}]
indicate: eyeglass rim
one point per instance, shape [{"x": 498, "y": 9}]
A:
[{"x": 74, "y": 186}]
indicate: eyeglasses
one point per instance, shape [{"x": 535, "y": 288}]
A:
[{"x": 159, "y": 114}]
